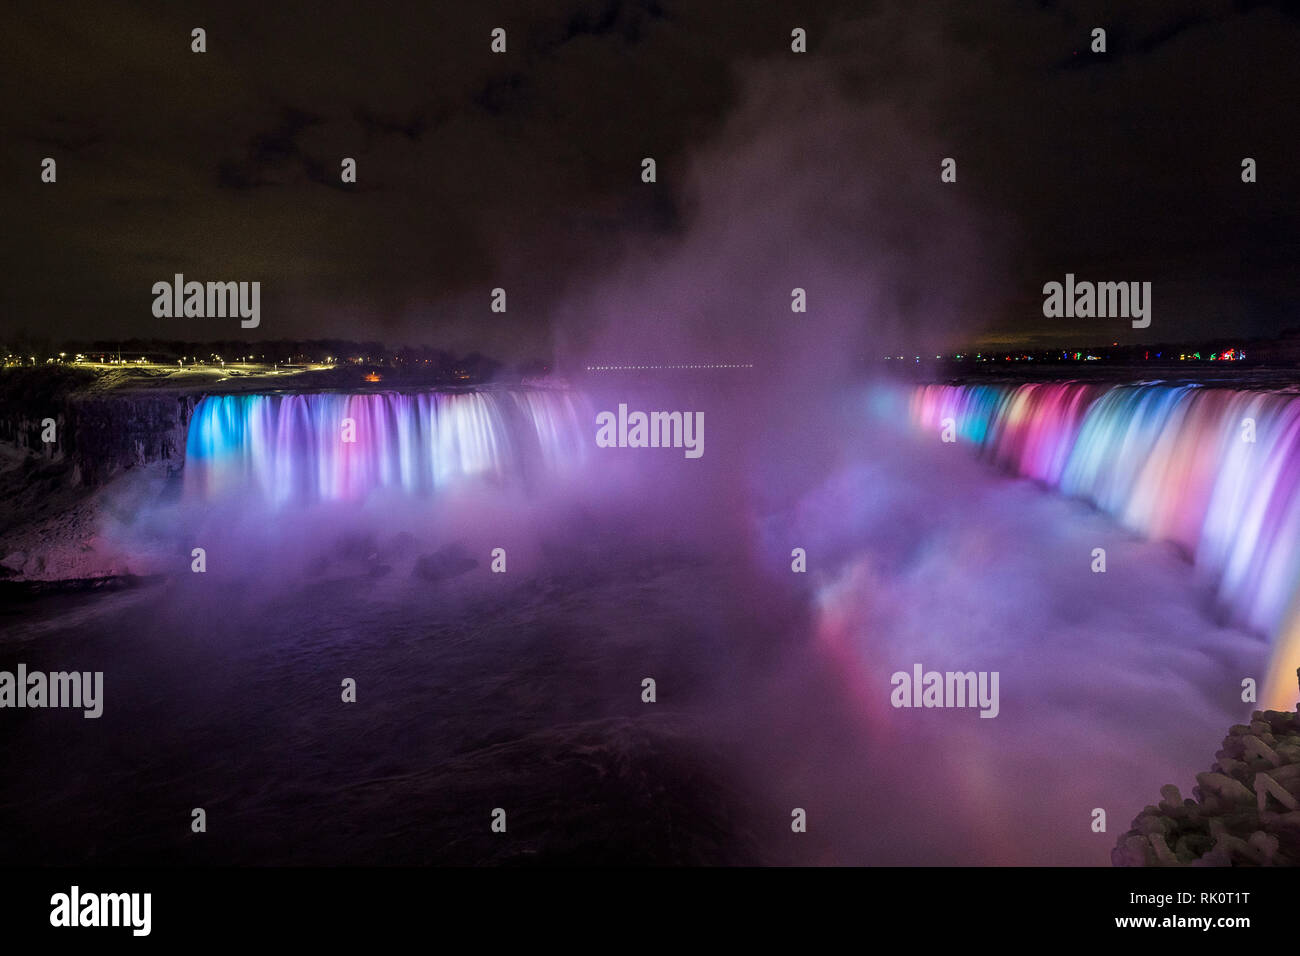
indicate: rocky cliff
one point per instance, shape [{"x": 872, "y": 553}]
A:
[
  {"x": 98, "y": 433},
  {"x": 112, "y": 450}
]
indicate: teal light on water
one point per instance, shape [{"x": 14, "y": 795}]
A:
[{"x": 329, "y": 447}]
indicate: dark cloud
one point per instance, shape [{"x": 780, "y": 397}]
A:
[
  {"x": 522, "y": 170},
  {"x": 275, "y": 153}
]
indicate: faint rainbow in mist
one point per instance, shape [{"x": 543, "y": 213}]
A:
[{"x": 1170, "y": 462}]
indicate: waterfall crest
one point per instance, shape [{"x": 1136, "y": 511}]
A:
[
  {"x": 290, "y": 448},
  {"x": 1215, "y": 470}
]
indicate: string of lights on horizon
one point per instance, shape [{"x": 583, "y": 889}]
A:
[{"x": 638, "y": 368}]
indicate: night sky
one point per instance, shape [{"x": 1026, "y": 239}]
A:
[{"x": 522, "y": 170}]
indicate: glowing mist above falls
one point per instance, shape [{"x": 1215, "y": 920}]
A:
[
  {"x": 1215, "y": 470},
  {"x": 336, "y": 447}
]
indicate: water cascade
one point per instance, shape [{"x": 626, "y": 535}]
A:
[
  {"x": 291, "y": 448},
  {"x": 1215, "y": 470}
]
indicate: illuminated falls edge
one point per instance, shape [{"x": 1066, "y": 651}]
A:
[
  {"x": 344, "y": 447},
  {"x": 1214, "y": 470}
]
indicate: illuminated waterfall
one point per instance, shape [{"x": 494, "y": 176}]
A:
[
  {"x": 1215, "y": 470},
  {"x": 337, "y": 447}
]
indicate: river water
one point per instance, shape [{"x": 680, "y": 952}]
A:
[{"x": 523, "y": 691}]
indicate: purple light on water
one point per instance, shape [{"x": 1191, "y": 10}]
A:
[
  {"x": 340, "y": 447},
  {"x": 1214, "y": 470}
]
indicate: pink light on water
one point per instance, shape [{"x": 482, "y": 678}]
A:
[
  {"x": 340, "y": 447},
  {"x": 1214, "y": 470}
]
